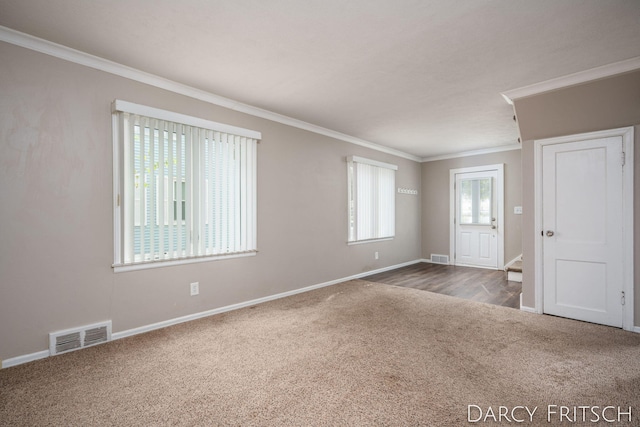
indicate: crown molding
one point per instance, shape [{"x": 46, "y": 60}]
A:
[
  {"x": 499, "y": 149},
  {"x": 37, "y": 44},
  {"x": 573, "y": 79}
]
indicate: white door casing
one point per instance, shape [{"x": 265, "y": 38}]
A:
[
  {"x": 584, "y": 217},
  {"x": 477, "y": 240}
]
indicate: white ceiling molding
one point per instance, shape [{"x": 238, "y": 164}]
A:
[
  {"x": 72, "y": 55},
  {"x": 573, "y": 79},
  {"x": 499, "y": 149}
]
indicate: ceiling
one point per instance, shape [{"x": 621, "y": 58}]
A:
[{"x": 420, "y": 76}]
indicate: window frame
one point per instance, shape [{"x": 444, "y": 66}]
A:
[
  {"x": 120, "y": 181},
  {"x": 352, "y": 199}
]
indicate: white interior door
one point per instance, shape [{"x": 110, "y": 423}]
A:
[
  {"x": 476, "y": 219},
  {"x": 582, "y": 219}
]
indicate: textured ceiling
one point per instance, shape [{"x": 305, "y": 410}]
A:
[{"x": 420, "y": 76}]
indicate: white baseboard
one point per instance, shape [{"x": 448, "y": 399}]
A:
[
  {"x": 381, "y": 270},
  {"x": 428, "y": 261},
  {"x": 177, "y": 320},
  {"x": 525, "y": 308},
  {"x": 636, "y": 329},
  {"x": 129, "y": 332},
  {"x": 19, "y": 360}
]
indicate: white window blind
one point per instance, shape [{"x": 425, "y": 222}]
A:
[
  {"x": 371, "y": 189},
  {"x": 186, "y": 188}
]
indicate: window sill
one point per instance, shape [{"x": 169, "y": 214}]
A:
[
  {"x": 122, "y": 268},
  {"x": 360, "y": 242}
]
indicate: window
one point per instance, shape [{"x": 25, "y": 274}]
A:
[
  {"x": 372, "y": 203},
  {"x": 476, "y": 201},
  {"x": 184, "y": 188}
]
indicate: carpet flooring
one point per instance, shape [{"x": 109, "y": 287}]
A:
[{"x": 352, "y": 354}]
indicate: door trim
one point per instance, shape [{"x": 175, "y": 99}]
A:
[
  {"x": 627, "y": 216},
  {"x": 452, "y": 209}
]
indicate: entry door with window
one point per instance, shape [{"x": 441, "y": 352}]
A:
[
  {"x": 582, "y": 226},
  {"x": 476, "y": 219}
]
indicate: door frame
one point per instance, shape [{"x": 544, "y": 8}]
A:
[
  {"x": 500, "y": 214},
  {"x": 627, "y": 216}
]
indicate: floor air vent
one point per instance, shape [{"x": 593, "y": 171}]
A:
[
  {"x": 75, "y": 338},
  {"x": 439, "y": 259}
]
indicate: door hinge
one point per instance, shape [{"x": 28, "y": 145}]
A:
[
  {"x": 623, "y": 158},
  {"x": 622, "y": 299}
]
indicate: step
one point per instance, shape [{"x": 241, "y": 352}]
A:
[
  {"x": 516, "y": 266},
  {"x": 514, "y": 272},
  {"x": 514, "y": 276}
]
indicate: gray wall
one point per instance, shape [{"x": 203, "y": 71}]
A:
[
  {"x": 56, "y": 211},
  {"x": 603, "y": 104},
  {"x": 435, "y": 201}
]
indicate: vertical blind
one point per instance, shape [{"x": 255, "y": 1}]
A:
[
  {"x": 371, "y": 199},
  {"x": 188, "y": 191}
]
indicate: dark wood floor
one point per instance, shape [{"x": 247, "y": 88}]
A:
[{"x": 477, "y": 284}]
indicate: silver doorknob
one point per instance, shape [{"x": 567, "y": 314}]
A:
[{"x": 549, "y": 233}]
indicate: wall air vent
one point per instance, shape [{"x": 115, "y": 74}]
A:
[
  {"x": 68, "y": 342},
  {"x": 75, "y": 338},
  {"x": 95, "y": 335},
  {"x": 440, "y": 259}
]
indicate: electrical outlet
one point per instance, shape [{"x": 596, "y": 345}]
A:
[
  {"x": 195, "y": 288},
  {"x": 376, "y": 255},
  {"x": 517, "y": 210}
]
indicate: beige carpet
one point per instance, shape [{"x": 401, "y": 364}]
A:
[{"x": 356, "y": 353}]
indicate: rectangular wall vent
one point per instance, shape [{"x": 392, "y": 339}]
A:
[
  {"x": 440, "y": 259},
  {"x": 95, "y": 335},
  {"x": 68, "y": 342},
  {"x": 81, "y": 337}
]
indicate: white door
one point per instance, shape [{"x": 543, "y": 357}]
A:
[
  {"x": 476, "y": 219},
  {"x": 582, "y": 230}
]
